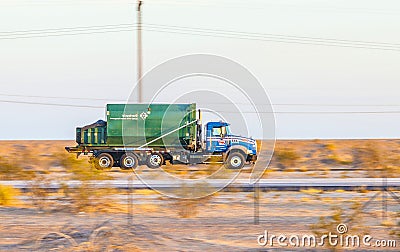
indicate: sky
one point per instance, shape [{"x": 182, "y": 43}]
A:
[{"x": 355, "y": 85}]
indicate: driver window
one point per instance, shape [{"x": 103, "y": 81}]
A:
[
  {"x": 216, "y": 132},
  {"x": 223, "y": 131}
]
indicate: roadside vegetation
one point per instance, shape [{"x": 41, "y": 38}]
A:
[
  {"x": 13, "y": 171},
  {"x": 367, "y": 158},
  {"x": 351, "y": 216},
  {"x": 8, "y": 195},
  {"x": 286, "y": 157},
  {"x": 190, "y": 199}
]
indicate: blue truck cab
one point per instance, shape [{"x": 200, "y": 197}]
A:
[{"x": 219, "y": 139}]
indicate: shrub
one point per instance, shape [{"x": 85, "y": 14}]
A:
[
  {"x": 191, "y": 199},
  {"x": 286, "y": 157},
  {"x": 330, "y": 146},
  {"x": 8, "y": 195},
  {"x": 352, "y": 217},
  {"x": 38, "y": 193},
  {"x": 86, "y": 197},
  {"x": 9, "y": 170},
  {"x": 366, "y": 157},
  {"x": 81, "y": 169}
]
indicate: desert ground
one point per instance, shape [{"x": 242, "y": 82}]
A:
[{"x": 92, "y": 219}]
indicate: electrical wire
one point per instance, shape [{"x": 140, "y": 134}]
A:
[
  {"x": 228, "y": 112},
  {"x": 319, "y": 39},
  {"x": 276, "y": 40},
  {"x": 22, "y": 36},
  {"x": 51, "y": 104},
  {"x": 201, "y": 32},
  {"x": 62, "y": 97},
  {"x": 212, "y": 103},
  {"x": 92, "y": 27}
]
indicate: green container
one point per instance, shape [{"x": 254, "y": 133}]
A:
[
  {"x": 134, "y": 125},
  {"x": 91, "y": 136}
]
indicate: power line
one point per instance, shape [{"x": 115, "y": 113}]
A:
[
  {"x": 92, "y": 27},
  {"x": 53, "y": 34},
  {"x": 272, "y": 35},
  {"x": 202, "y": 32},
  {"x": 62, "y": 97},
  {"x": 213, "y": 103},
  {"x": 51, "y": 104},
  {"x": 232, "y": 112},
  {"x": 280, "y": 40}
]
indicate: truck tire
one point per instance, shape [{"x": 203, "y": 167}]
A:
[
  {"x": 103, "y": 161},
  {"x": 128, "y": 161},
  {"x": 155, "y": 160},
  {"x": 235, "y": 160}
]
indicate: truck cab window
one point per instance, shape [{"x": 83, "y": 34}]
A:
[
  {"x": 216, "y": 131},
  {"x": 223, "y": 131},
  {"x": 228, "y": 131}
]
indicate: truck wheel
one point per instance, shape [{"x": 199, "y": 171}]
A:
[
  {"x": 129, "y": 161},
  {"x": 155, "y": 160},
  {"x": 104, "y": 160},
  {"x": 235, "y": 160}
]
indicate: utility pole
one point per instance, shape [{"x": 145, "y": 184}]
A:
[
  {"x": 139, "y": 50},
  {"x": 139, "y": 79}
]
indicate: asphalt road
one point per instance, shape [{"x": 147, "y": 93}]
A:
[{"x": 239, "y": 184}]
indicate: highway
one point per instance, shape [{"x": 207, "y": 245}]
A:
[{"x": 326, "y": 184}]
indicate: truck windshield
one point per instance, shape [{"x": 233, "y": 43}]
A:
[{"x": 228, "y": 130}]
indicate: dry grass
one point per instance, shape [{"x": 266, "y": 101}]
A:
[
  {"x": 190, "y": 199},
  {"x": 303, "y": 169},
  {"x": 286, "y": 156},
  {"x": 87, "y": 198},
  {"x": 39, "y": 194},
  {"x": 149, "y": 208},
  {"x": 330, "y": 146},
  {"x": 311, "y": 191},
  {"x": 145, "y": 192},
  {"x": 352, "y": 217},
  {"x": 187, "y": 208},
  {"x": 8, "y": 195},
  {"x": 11, "y": 171}
]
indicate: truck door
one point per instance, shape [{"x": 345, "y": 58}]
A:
[{"x": 216, "y": 139}]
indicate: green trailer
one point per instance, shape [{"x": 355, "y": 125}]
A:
[
  {"x": 138, "y": 124},
  {"x": 133, "y": 125}
]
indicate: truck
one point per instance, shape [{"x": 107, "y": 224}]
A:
[{"x": 153, "y": 134}]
